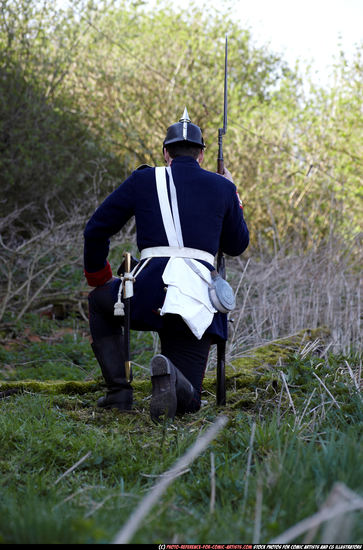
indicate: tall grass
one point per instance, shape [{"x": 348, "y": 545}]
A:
[{"x": 282, "y": 293}]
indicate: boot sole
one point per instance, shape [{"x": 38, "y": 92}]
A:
[
  {"x": 163, "y": 379},
  {"x": 121, "y": 408},
  {"x": 121, "y": 401}
]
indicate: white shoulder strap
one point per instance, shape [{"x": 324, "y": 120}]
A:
[
  {"x": 174, "y": 205},
  {"x": 171, "y": 220}
]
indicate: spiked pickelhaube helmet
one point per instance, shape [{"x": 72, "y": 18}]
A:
[{"x": 185, "y": 131}]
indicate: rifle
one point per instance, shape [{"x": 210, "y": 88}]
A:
[{"x": 221, "y": 268}]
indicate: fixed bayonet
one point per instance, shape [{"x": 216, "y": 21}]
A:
[{"x": 222, "y": 131}]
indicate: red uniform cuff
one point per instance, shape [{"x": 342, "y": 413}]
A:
[{"x": 99, "y": 278}]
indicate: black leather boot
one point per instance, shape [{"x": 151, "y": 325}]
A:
[
  {"x": 171, "y": 391},
  {"x": 185, "y": 393},
  {"x": 110, "y": 356}
]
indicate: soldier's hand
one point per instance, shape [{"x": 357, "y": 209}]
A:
[{"x": 227, "y": 174}]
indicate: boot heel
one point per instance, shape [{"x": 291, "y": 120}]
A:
[
  {"x": 163, "y": 379},
  {"x": 159, "y": 366}
]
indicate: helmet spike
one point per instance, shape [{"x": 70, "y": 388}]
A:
[
  {"x": 185, "y": 120},
  {"x": 185, "y": 117}
]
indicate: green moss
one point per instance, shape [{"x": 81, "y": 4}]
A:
[
  {"x": 258, "y": 368},
  {"x": 52, "y": 387},
  {"x": 278, "y": 350},
  {"x": 246, "y": 400},
  {"x": 255, "y": 369}
]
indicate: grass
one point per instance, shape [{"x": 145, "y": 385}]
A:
[
  {"x": 91, "y": 504},
  {"x": 72, "y": 473},
  {"x": 43, "y": 349},
  {"x": 294, "y": 429}
]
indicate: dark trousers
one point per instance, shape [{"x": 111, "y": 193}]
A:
[{"x": 178, "y": 343}]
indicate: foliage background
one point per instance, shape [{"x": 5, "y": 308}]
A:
[{"x": 86, "y": 95}]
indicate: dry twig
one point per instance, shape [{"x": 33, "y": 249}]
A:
[
  {"x": 352, "y": 502},
  {"x": 212, "y": 484},
  {"x": 74, "y": 467},
  {"x": 134, "y": 522}
]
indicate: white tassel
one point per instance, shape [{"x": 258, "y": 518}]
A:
[
  {"x": 119, "y": 309},
  {"x": 127, "y": 280}
]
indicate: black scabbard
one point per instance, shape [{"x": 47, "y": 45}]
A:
[
  {"x": 127, "y": 305},
  {"x": 221, "y": 347},
  {"x": 127, "y": 339}
]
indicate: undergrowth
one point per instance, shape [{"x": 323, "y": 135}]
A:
[{"x": 295, "y": 429}]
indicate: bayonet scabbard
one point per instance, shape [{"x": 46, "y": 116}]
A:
[{"x": 128, "y": 291}]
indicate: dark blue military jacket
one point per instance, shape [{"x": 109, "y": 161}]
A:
[{"x": 211, "y": 217}]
